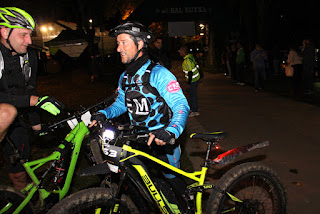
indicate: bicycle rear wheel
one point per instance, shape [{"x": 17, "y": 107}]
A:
[
  {"x": 92, "y": 200},
  {"x": 256, "y": 185},
  {"x": 9, "y": 195}
]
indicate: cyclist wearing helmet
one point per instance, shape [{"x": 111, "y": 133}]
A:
[
  {"x": 18, "y": 67},
  {"x": 151, "y": 95}
]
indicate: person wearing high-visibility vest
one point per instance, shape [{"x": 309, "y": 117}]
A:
[{"x": 192, "y": 73}]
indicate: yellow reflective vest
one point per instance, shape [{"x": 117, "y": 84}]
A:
[{"x": 190, "y": 64}]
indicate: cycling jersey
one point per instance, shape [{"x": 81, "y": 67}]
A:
[{"x": 143, "y": 106}]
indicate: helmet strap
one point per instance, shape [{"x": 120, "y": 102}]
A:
[
  {"x": 135, "y": 56},
  {"x": 8, "y": 42}
]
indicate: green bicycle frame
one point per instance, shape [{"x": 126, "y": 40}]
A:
[
  {"x": 197, "y": 176},
  {"x": 75, "y": 137}
]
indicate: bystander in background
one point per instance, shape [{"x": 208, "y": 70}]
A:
[
  {"x": 228, "y": 57},
  {"x": 294, "y": 59},
  {"x": 308, "y": 61},
  {"x": 160, "y": 54},
  {"x": 258, "y": 57},
  {"x": 233, "y": 64},
  {"x": 240, "y": 64},
  {"x": 192, "y": 74}
]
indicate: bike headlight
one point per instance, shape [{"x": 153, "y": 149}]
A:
[
  {"x": 108, "y": 132},
  {"x": 108, "y": 135}
]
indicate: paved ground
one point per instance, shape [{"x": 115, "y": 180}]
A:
[{"x": 291, "y": 127}]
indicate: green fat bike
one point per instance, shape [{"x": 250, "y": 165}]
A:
[
  {"x": 131, "y": 185},
  {"x": 40, "y": 194}
]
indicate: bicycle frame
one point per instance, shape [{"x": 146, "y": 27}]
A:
[
  {"x": 197, "y": 176},
  {"x": 127, "y": 153},
  {"x": 75, "y": 137}
]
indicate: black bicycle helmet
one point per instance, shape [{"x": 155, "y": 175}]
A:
[
  {"x": 134, "y": 29},
  {"x": 13, "y": 17}
]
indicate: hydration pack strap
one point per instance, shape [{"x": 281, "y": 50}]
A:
[
  {"x": 124, "y": 86},
  {"x": 24, "y": 63},
  {"x": 1, "y": 64}
]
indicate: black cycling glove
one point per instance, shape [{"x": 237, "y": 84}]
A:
[
  {"x": 99, "y": 117},
  {"x": 165, "y": 136},
  {"x": 50, "y": 104}
]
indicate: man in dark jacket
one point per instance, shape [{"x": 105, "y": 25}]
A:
[
  {"x": 159, "y": 54},
  {"x": 18, "y": 67}
]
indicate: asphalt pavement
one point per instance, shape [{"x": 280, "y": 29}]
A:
[{"x": 291, "y": 127}]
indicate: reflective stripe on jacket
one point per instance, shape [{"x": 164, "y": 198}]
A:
[{"x": 190, "y": 64}]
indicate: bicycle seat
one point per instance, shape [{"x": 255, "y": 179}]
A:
[{"x": 215, "y": 136}]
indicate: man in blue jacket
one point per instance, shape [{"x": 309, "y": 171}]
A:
[{"x": 150, "y": 94}]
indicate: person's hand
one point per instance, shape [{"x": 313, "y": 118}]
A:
[
  {"x": 36, "y": 127},
  {"x": 97, "y": 117},
  {"x": 50, "y": 104},
  {"x": 161, "y": 137}
]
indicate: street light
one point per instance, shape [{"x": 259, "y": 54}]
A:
[
  {"x": 202, "y": 28},
  {"x": 44, "y": 29}
]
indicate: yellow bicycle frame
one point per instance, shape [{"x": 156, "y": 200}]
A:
[{"x": 198, "y": 176}]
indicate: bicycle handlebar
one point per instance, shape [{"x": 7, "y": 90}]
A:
[{"x": 76, "y": 116}]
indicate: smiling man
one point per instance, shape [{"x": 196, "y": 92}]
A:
[
  {"x": 18, "y": 68},
  {"x": 151, "y": 95}
]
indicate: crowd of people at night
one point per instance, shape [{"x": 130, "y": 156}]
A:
[{"x": 260, "y": 64}]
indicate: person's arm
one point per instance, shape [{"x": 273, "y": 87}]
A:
[
  {"x": 187, "y": 67},
  {"x": 169, "y": 88},
  {"x": 33, "y": 115},
  {"x": 119, "y": 106}
]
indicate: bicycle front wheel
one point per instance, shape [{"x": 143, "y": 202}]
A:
[
  {"x": 10, "y": 199},
  {"x": 257, "y": 187},
  {"x": 93, "y": 200}
]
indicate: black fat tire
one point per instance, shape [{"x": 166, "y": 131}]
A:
[
  {"x": 10, "y": 194},
  {"x": 87, "y": 200},
  {"x": 96, "y": 151},
  {"x": 267, "y": 193}
]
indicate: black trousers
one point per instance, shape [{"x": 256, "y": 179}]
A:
[{"x": 18, "y": 135}]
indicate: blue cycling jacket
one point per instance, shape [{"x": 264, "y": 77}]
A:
[{"x": 143, "y": 106}]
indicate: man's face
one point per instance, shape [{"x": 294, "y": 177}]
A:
[
  {"x": 19, "y": 39},
  {"x": 126, "y": 47},
  {"x": 158, "y": 43}
]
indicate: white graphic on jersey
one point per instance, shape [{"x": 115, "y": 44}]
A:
[{"x": 141, "y": 108}]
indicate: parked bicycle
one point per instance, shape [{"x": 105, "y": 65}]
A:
[
  {"x": 134, "y": 187},
  {"x": 60, "y": 170}
]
